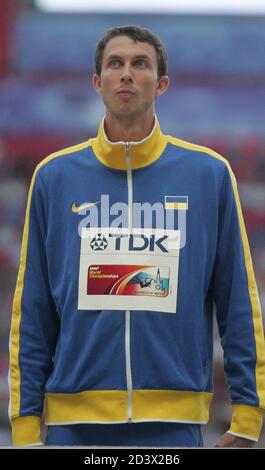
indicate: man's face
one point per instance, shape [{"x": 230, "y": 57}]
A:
[{"x": 129, "y": 81}]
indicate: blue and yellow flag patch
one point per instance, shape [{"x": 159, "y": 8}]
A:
[{"x": 177, "y": 202}]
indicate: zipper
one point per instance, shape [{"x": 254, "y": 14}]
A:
[
  {"x": 129, "y": 183},
  {"x": 128, "y": 364},
  {"x": 128, "y": 313}
]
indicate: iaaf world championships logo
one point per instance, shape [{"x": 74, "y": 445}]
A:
[{"x": 142, "y": 216}]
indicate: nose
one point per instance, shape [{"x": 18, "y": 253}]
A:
[{"x": 126, "y": 76}]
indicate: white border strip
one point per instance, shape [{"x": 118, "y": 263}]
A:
[{"x": 155, "y": 6}]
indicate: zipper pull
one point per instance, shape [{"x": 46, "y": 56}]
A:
[{"x": 127, "y": 149}]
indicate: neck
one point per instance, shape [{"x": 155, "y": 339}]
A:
[{"x": 129, "y": 129}]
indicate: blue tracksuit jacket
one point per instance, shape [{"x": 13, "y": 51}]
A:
[{"x": 126, "y": 249}]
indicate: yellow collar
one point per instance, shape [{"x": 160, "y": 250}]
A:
[{"x": 144, "y": 152}]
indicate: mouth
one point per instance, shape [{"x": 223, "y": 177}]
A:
[{"x": 126, "y": 93}]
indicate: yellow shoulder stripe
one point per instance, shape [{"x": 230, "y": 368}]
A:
[
  {"x": 254, "y": 299},
  {"x": 252, "y": 287},
  {"x": 14, "y": 375},
  {"x": 61, "y": 153},
  {"x": 196, "y": 148}
]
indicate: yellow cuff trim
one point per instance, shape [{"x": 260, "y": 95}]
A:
[
  {"x": 26, "y": 430},
  {"x": 246, "y": 421}
]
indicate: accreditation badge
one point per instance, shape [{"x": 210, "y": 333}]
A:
[{"x": 129, "y": 270}]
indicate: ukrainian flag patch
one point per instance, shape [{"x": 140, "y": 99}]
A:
[{"x": 177, "y": 202}]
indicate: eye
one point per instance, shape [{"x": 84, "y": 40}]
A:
[
  {"x": 114, "y": 63},
  {"x": 141, "y": 63}
]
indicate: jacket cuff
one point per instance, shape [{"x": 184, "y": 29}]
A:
[
  {"x": 246, "y": 422},
  {"x": 26, "y": 431}
]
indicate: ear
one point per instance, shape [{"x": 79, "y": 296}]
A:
[
  {"x": 96, "y": 82},
  {"x": 162, "y": 85}
]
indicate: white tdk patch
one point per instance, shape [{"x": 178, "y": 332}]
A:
[{"x": 122, "y": 269}]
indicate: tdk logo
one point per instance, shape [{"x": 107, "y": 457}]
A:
[
  {"x": 99, "y": 242},
  {"x": 139, "y": 242}
]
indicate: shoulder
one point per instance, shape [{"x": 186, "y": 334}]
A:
[
  {"x": 199, "y": 154},
  {"x": 57, "y": 159}
]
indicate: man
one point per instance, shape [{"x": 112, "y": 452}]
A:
[{"x": 113, "y": 311}]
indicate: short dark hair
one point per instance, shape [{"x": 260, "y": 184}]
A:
[{"x": 137, "y": 34}]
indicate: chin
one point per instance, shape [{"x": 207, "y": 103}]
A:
[{"x": 126, "y": 112}]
